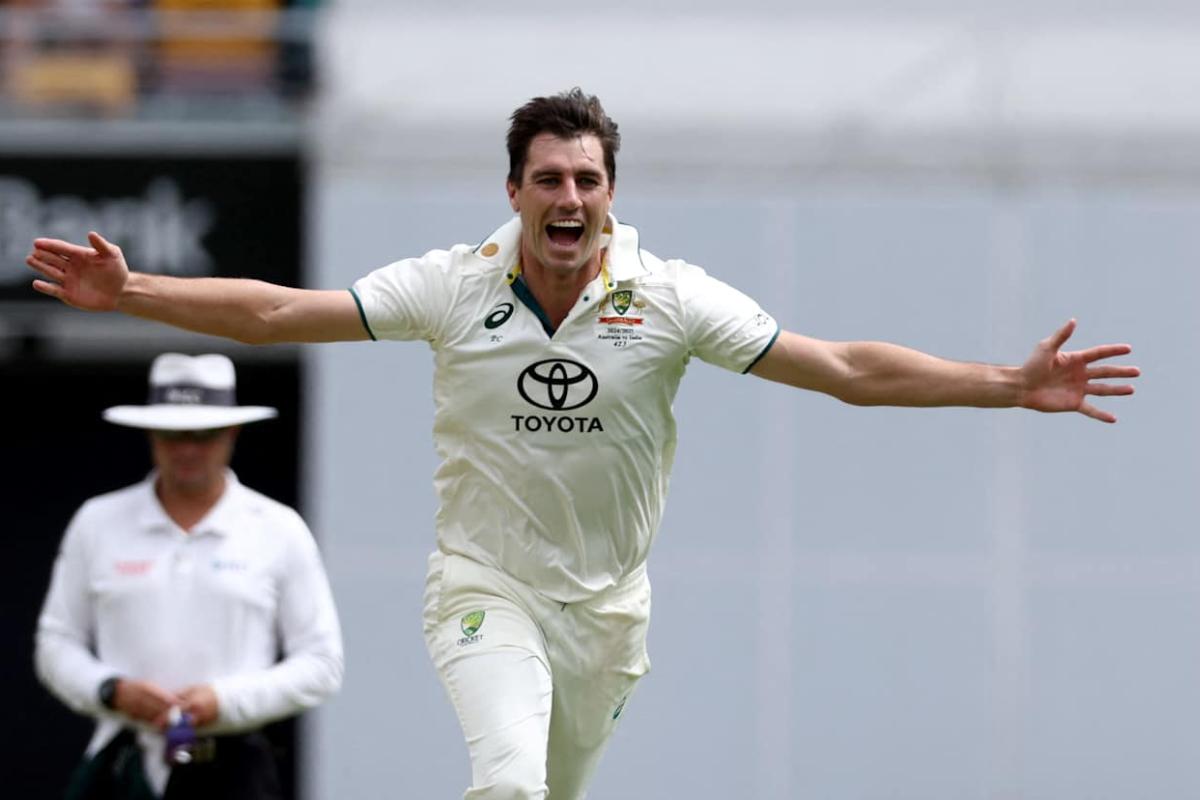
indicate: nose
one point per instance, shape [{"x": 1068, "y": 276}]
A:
[{"x": 569, "y": 197}]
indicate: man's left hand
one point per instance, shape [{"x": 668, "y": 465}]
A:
[{"x": 1056, "y": 381}]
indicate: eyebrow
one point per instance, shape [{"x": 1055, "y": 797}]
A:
[{"x": 555, "y": 171}]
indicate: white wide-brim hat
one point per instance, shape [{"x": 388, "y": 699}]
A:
[{"x": 189, "y": 393}]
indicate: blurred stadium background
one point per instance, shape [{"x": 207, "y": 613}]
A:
[{"x": 849, "y": 604}]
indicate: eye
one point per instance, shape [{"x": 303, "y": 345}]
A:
[{"x": 547, "y": 181}]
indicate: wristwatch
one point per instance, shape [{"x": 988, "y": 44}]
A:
[{"x": 108, "y": 692}]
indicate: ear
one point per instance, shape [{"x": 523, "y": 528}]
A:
[{"x": 511, "y": 188}]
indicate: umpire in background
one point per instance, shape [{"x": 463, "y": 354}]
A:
[{"x": 172, "y": 600}]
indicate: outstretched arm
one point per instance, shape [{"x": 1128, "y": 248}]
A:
[
  {"x": 96, "y": 278},
  {"x": 876, "y": 373}
]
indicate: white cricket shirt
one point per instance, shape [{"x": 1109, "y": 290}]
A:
[
  {"x": 557, "y": 447},
  {"x": 133, "y": 595}
]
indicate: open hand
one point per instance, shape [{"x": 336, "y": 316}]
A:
[
  {"x": 90, "y": 278},
  {"x": 1056, "y": 381}
]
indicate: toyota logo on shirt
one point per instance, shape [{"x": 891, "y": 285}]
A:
[{"x": 557, "y": 384}]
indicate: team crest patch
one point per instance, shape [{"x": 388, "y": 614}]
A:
[
  {"x": 472, "y": 622},
  {"x": 622, "y": 321}
]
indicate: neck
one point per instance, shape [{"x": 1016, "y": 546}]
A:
[
  {"x": 187, "y": 505},
  {"x": 557, "y": 291}
]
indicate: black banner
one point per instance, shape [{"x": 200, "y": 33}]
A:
[{"x": 231, "y": 216}]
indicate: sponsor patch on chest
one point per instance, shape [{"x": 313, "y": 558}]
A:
[{"x": 557, "y": 385}]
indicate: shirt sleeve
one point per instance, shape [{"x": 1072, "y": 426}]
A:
[
  {"x": 723, "y": 326},
  {"x": 310, "y": 638},
  {"x": 407, "y": 299},
  {"x": 63, "y": 656}
]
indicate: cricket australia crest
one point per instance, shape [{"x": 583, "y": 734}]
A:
[{"x": 472, "y": 622}]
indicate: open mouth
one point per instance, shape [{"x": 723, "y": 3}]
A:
[{"x": 565, "y": 232}]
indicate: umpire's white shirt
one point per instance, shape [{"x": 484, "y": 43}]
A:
[
  {"x": 556, "y": 449},
  {"x": 134, "y": 595}
]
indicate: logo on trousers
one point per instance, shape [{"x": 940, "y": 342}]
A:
[
  {"x": 557, "y": 384},
  {"x": 470, "y": 624}
]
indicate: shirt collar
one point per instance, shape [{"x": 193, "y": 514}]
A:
[
  {"x": 503, "y": 248},
  {"x": 219, "y": 519}
]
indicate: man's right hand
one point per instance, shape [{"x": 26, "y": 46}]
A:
[
  {"x": 90, "y": 278},
  {"x": 143, "y": 701}
]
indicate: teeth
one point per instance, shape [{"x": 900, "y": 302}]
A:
[{"x": 567, "y": 223}]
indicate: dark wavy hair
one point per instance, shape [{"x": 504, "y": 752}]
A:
[{"x": 567, "y": 115}]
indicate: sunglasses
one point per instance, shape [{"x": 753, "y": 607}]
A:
[{"x": 206, "y": 435}]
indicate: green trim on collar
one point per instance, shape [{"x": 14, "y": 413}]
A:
[{"x": 525, "y": 296}]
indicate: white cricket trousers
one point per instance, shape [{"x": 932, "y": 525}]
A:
[{"x": 538, "y": 685}]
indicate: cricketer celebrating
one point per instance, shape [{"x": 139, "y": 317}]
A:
[{"x": 559, "y": 345}]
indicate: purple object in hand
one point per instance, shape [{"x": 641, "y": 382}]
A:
[{"x": 181, "y": 738}]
